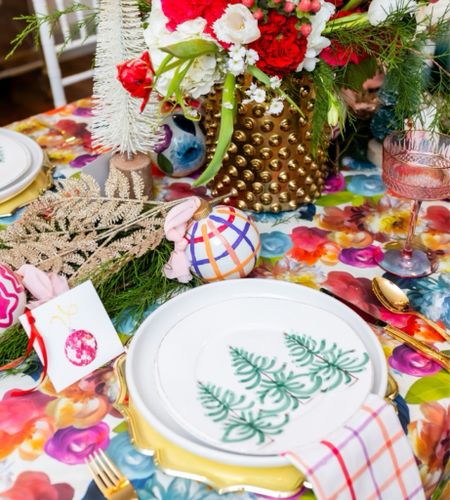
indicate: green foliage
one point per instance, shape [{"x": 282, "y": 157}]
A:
[
  {"x": 137, "y": 285},
  {"x": 333, "y": 365},
  {"x": 227, "y": 113},
  {"x": 221, "y": 403},
  {"x": 354, "y": 75},
  {"x": 324, "y": 87},
  {"x": 35, "y": 21}
]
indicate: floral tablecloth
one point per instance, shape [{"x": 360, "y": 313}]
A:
[{"x": 45, "y": 437}]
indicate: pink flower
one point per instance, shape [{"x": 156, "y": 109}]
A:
[
  {"x": 438, "y": 218},
  {"x": 355, "y": 290},
  {"x": 334, "y": 183},
  {"x": 32, "y": 485}
]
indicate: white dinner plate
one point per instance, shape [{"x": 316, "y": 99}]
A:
[
  {"x": 37, "y": 158},
  {"x": 15, "y": 160},
  {"x": 180, "y": 362}
]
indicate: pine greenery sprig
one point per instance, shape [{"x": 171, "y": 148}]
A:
[
  {"x": 130, "y": 291},
  {"x": 35, "y": 21}
]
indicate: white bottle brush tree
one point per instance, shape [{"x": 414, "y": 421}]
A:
[{"x": 118, "y": 121}]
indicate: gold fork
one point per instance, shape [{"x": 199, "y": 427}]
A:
[{"x": 110, "y": 481}]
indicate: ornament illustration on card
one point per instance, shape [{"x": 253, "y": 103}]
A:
[{"x": 78, "y": 334}]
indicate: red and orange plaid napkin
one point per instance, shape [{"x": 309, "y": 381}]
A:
[{"x": 368, "y": 458}]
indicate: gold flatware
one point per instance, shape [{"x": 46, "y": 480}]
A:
[
  {"x": 397, "y": 334},
  {"x": 110, "y": 481},
  {"x": 395, "y": 300}
]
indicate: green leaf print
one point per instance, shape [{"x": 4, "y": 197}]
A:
[
  {"x": 249, "y": 367},
  {"x": 430, "y": 388},
  {"x": 219, "y": 403},
  {"x": 249, "y": 425},
  {"x": 333, "y": 365},
  {"x": 286, "y": 389}
]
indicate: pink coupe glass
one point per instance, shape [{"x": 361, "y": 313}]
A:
[{"x": 416, "y": 165}]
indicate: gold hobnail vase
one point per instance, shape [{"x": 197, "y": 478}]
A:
[{"x": 270, "y": 165}]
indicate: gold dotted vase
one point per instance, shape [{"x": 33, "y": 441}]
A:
[{"x": 269, "y": 165}]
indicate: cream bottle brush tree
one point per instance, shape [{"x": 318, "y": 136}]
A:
[{"x": 118, "y": 123}]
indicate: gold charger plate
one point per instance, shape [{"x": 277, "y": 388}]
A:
[
  {"x": 38, "y": 186},
  {"x": 280, "y": 482}
]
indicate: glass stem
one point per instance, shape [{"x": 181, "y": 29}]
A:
[{"x": 407, "y": 250}]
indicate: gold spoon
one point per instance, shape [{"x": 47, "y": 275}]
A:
[{"x": 395, "y": 300}]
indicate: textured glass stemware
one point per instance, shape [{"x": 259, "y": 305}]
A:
[{"x": 416, "y": 165}]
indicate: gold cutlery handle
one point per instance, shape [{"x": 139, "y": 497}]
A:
[
  {"x": 419, "y": 346},
  {"x": 433, "y": 324}
]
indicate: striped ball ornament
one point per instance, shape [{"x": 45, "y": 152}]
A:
[{"x": 224, "y": 244}]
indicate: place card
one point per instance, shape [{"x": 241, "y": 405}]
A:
[{"x": 78, "y": 334}]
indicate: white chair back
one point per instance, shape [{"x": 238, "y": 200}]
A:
[{"x": 54, "y": 48}]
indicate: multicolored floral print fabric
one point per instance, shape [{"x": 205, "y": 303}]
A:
[{"x": 45, "y": 437}]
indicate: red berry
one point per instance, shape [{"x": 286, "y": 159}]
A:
[
  {"x": 289, "y": 7},
  {"x": 258, "y": 14},
  {"x": 305, "y": 29},
  {"x": 248, "y": 3},
  {"x": 315, "y": 6},
  {"x": 304, "y": 6}
]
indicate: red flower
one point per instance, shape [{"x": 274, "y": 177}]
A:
[
  {"x": 136, "y": 76},
  {"x": 281, "y": 47},
  {"x": 178, "y": 12},
  {"x": 338, "y": 55}
]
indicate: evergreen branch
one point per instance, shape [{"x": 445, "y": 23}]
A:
[
  {"x": 35, "y": 21},
  {"x": 128, "y": 295}
]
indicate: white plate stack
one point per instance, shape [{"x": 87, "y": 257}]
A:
[{"x": 21, "y": 161}]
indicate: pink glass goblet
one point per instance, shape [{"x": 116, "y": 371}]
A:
[{"x": 416, "y": 165}]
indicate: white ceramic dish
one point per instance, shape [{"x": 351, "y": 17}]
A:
[
  {"x": 151, "y": 360},
  {"x": 15, "y": 160},
  {"x": 37, "y": 158}
]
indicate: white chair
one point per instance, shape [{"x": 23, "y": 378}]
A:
[{"x": 53, "y": 51}]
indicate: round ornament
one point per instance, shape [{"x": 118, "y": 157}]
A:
[
  {"x": 183, "y": 148},
  {"x": 223, "y": 243},
  {"x": 80, "y": 348},
  {"x": 12, "y": 298}
]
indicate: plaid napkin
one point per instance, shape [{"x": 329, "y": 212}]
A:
[{"x": 368, "y": 458}]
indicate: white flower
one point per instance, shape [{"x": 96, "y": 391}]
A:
[
  {"x": 237, "y": 25},
  {"x": 236, "y": 66},
  {"x": 433, "y": 12},
  {"x": 255, "y": 94},
  {"x": 237, "y": 52},
  {"x": 204, "y": 72},
  {"x": 275, "y": 82},
  {"x": 251, "y": 56},
  {"x": 259, "y": 95},
  {"x": 276, "y": 106},
  {"x": 317, "y": 42},
  {"x": 379, "y": 10}
]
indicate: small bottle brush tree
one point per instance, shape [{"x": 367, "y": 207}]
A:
[{"x": 119, "y": 124}]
